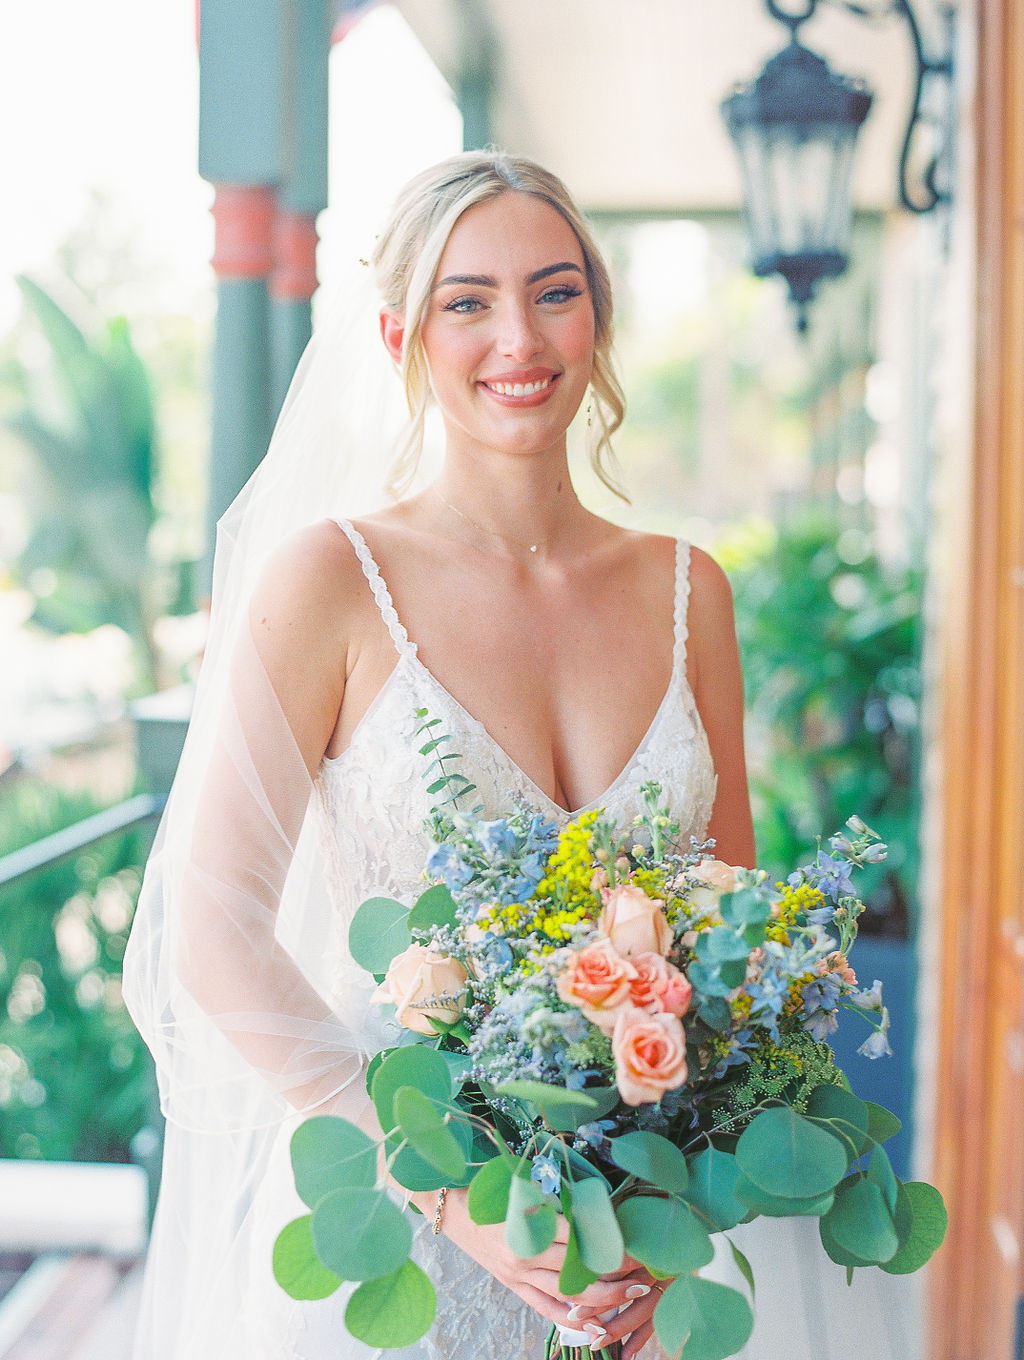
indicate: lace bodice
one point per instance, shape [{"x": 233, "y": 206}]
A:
[{"x": 371, "y": 803}]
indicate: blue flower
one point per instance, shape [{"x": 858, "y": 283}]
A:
[
  {"x": 821, "y": 1024},
  {"x": 593, "y": 1134},
  {"x": 547, "y": 1173},
  {"x": 495, "y": 838},
  {"x": 822, "y": 994},
  {"x": 833, "y": 875},
  {"x": 870, "y": 999},
  {"x": 444, "y": 862},
  {"x": 876, "y": 1045}
]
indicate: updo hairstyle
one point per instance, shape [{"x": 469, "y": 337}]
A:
[{"x": 406, "y": 258}]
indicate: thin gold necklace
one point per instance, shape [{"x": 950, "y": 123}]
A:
[{"x": 483, "y": 528}]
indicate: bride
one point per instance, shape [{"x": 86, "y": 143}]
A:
[{"x": 569, "y": 659}]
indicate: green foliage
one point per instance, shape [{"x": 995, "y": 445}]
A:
[
  {"x": 75, "y": 1078},
  {"x": 712, "y": 1320},
  {"x": 88, "y": 421},
  {"x": 830, "y": 641},
  {"x": 394, "y": 1311}
]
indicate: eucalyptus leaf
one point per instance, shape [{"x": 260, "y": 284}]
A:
[
  {"x": 928, "y": 1228},
  {"x": 360, "y": 1234},
  {"x": 708, "y": 980},
  {"x": 393, "y": 1311},
  {"x": 777, "y": 1206},
  {"x": 880, "y": 1173},
  {"x": 720, "y": 944},
  {"x": 789, "y": 1156},
  {"x": 574, "y": 1276},
  {"x": 862, "y": 1223},
  {"x": 745, "y": 908},
  {"x": 417, "y": 1066},
  {"x": 532, "y": 1222},
  {"x": 712, "y": 1188},
  {"x": 702, "y": 1319},
  {"x": 664, "y": 1234},
  {"x": 489, "y": 1191},
  {"x": 882, "y": 1123},
  {"x": 653, "y": 1158},
  {"x": 716, "y": 1013},
  {"x": 842, "y": 1114},
  {"x": 597, "y": 1230},
  {"x": 561, "y": 1109},
  {"x": 423, "y": 1124},
  {"x": 743, "y": 1266},
  {"x": 379, "y": 931},
  {"x": 835, "y": 1250},
  {"x": 328, "y": 1152},
  {"x": 297, "y": 1268},
  {"x": 435, "y": 907}
]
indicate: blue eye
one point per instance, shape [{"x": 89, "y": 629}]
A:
[
  {"x": 563, "y": 293},
  {"x": 464, "y": 305}
]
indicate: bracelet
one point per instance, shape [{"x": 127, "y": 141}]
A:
[{"x": 442, "y": 1195}]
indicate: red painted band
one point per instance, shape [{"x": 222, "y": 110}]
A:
[
  {"x": 243, "y": 217},
  {"x": 294, "y": 278}
]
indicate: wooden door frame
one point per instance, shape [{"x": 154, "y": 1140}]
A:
[{"x": 978, "y": 1278}]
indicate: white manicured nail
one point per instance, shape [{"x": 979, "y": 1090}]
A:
[
  {"x": 599, "y": 1334},
  {"x": 574, "y": 1312},
  {"x": 637, "y": 1291}
]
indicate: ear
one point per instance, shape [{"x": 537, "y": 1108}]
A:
[{"x": 392, "y": 331}]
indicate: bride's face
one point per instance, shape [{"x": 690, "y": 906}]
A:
[{"x": 508, "y": 332}]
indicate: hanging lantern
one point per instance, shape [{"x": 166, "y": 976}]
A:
[{"x": 795, "y": 127}]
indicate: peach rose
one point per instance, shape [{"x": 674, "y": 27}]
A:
[
  {"x": 650, "y": 1055},
  {"x": 634, "y": 922},
  {"x": 658, "y": 985},
  {"x": 416, "y": 981},
  {"x": 597, "y": 980},
  {"x": 714, "y": 878}
]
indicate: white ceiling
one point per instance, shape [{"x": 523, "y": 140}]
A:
[{"x": 620, "y": 97}]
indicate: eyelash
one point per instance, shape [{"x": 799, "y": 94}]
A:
[{"x": 458, "y": 305}]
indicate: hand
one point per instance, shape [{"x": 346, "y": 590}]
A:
[{"x": 636, "y": 1291}]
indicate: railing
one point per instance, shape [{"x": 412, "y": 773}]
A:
[{"x": 41, "y": 854}]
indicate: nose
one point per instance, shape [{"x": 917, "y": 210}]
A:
[{"x": 519, "y": 337}]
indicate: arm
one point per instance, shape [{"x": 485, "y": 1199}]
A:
[{"x": 717, "y": 684}]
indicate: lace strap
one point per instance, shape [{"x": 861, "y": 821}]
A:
[
  {"x": 682, "y": 601},
  {"x": 381, "y": 594}
]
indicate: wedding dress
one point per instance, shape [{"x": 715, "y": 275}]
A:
[{"x": 210, "y": 1291}]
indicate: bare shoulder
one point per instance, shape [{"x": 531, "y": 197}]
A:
[
  {"x": 710, "y": 591},
  {"x": 308, "y": 582}
]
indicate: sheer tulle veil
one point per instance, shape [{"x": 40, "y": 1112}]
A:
[{"x": 222, "y": 970}]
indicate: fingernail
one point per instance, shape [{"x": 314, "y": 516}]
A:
[
  {"x": 600, "y": 1334},
  {"x": 574, "y": 1312},
  {"x": 637, "y": 1291}
]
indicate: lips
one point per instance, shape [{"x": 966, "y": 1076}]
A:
[{"x": 528, "y": 388}]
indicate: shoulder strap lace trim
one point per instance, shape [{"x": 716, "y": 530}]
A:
[
  {"x": 682, "y": 602},
  {"x": 381, "y": 594}
]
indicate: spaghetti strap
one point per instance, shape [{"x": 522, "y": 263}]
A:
[
  {"x": 381, "y": 594},
  {"x": 680, "y": 623}
]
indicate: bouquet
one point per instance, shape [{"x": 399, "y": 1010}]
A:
[{"x": 609, "y": 1027}]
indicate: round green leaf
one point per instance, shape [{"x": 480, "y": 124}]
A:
[
  {"x": 561, "y": 1109},
  {"x": 842, "y": 1114},
  {"x": 862, "y": 1223},
  {"x": 297, "y": 1268},
  {"x": 837, "y": 1253},
  {"x": 880, "y": 1173},
  {"x": 712, "y": 1320},
  {"x": 597, "y": 1230},
  {"x": 775, "y": 1206},
  {"x": 654, "y": 1159},
  {"x": 882, "y": 1123},
  {"x": 790, "y": 1157},
  {"x": 574, "y": 1276},
  {"x": 393, "y": 1311},
  {"x": 664, "y": 1234},
  {"x": 489, "y": 1189},
  {"x": 379, "y": 931},
  {"x": 417, "y": 1066},
  {"x": 435, "y": 907},
  {"x": 360, "y": 1234},
  {"x": 712, "y": 1188},
  {"x": 927, "y": 1230},
  {"x": 328, "y": 1152},
  {"x": 424, "y": 1126},
  {"x": 532, "y": 1222}
]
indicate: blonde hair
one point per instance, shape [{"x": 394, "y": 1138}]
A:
[{"x": 406, "y": 258}]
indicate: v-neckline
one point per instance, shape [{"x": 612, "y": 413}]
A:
[{"x": 408, "y": 651}]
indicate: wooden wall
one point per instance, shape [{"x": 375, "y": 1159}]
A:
[{"x": 977, "y": 1281}]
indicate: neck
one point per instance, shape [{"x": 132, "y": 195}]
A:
[{"x": 527, "y": 516}]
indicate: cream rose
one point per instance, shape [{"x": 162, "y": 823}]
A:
[
  {"x": 634, "y": 922},
  {"x": 715, "y": 878},
  {"x": 658, "y": 985},
  {"x": 597, "y": 979},
  {"x": 650, "y": 1055},
  {"x": 416, "y": 981}
]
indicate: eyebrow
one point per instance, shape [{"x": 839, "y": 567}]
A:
[{"x": 489, "y": 281}]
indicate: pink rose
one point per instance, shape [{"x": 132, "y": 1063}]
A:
[
  {"x": 650, "y": 1055},
  {"x": 634, "y": 922},
  {"x": 658, "y": 985},
  {"x": 597, "y": 980},
  {"x": 714, "y": 879},
  {"x": 416, "y": 981}
]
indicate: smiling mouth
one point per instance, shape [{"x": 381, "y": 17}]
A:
[{"x": 524, "y": 389}]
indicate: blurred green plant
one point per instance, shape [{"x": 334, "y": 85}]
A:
[
  {"x": 87, "y": 417},
  {"x": 830, "y": 639},
  {"x": 75, "y": 1079}
]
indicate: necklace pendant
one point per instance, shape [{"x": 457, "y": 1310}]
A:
[{"x": 533, "y": 547}]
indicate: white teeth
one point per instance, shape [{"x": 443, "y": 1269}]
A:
[{"x": 519, "y": 389}]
